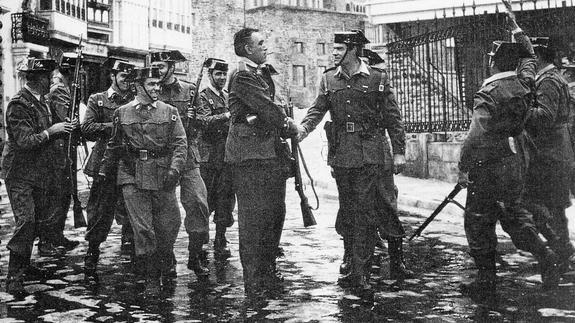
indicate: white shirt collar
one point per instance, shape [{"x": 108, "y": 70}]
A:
[
  {"x": 111, "y": 92},
  {"x": 249, "y": 62},
  {"x": 498, "y": 76},
  {"x": 544, "y": 70},
  {"x": 37, "y": 95},
  {"x": 363, "y": 69}
]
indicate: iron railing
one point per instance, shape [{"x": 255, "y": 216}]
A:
[
  {"x": 436, "y": 66},
  {"x": 29, "y": 28}
]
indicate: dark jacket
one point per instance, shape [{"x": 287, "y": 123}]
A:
[
  {"x": 362, "y": 108},
  {"x": 28, "y": 151},
  {"x": 59, "y": 100},
  {"x": 157, "y": 130},
  {"x": 97, "y": 125},
  {"x": 251, "y": 93},
  {"x": 215, "y": 126},
  {"x": 499, "y": 111},
  {"x": 178, "y": 95}
]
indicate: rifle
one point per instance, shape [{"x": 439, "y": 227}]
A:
[
  {"x": 447, "y": 200},
  {"x": 74, "y": 113},
  {"x": 306, "y": 209},
  {"x": 192, "y": 107}
]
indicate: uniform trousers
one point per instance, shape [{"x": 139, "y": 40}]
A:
[
  {"x": 104, "y": 203},
  {"x": 155, "y": 219},
  {"x": 194, "y": 198},
  {"x": 496, "y": 194},
  {"x": 33, "y": 214},
  {"x": 260, "y": 189},
  {"x": 367, "y": 201},
  {"x": 221, "y": 197}
]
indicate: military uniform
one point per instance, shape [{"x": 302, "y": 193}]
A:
[
  {"x": 59, "y": 101},
  {"x": 215, "y": 172},
  {"x": 494, "y": 154},
  {"x": 260, "y": 166},
  {"x": 148, "y": 141},
  {"x": 548, "y": 175},
  {"x": 106, "y": 199},
  {"x": 193, "y": 192},
  {"x": 28, "y": 175},
  {"x": 362, "y": 107}
]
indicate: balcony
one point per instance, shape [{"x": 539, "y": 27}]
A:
[{"x": 29, "y": 28}]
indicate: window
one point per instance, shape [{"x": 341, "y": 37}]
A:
[
  {"x": 321, "y": 48},
  {"x": 298, "y": 47},
  {"x": 298, "y": 75},
  {"x": 45, "y": 4},
  {"x": 160, "y": 24}
]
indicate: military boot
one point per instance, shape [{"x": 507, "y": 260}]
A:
[
  {"x": 345, "y": 266},
  {"x": 484, "y": 286},
  {"x": 221, "y": 250},
  {"x": 153, "y": 276},
  {"x": 397, "y": 268},
  {"x": 549, "y": 268},
  {"x": 195, "y": 262},
  {"x": 91, "y": 262},
  {"x": 17, "y": 265},
  {"x": 48, "y": 249}
]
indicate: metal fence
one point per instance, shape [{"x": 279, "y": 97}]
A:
[{"x": 436, "y": 66}]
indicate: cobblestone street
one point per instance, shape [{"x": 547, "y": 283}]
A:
[{"x": 311, "y": 293}]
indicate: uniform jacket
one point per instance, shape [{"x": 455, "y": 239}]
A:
[
  {"x": 28, "y": 151},
  {"x": 362, "y": 108},
  {"x": 158, "y": 130},
  {"x": 97, "y": 125},
  {"x": 178, "y": 95},
  {"x": 252, "y": 92},
  {"x": 215, "y": 126},
  {"x": 547, "y": 121},
  {"x": 499, "y": 111},
  {"x": 59, "y": 100}
]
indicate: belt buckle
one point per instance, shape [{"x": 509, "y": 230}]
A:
[
  {"x": 350, "y": 127},
  {"x": 143, "y": 154}
]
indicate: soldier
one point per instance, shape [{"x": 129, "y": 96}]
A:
[
  {"x": 260, "y": 163},
  {"x": 105, "y": 194},
  {"x": 214, "y": 115},
  {"x": 492, "y": 165},
  {"x": 149, "y": 143},
  {"x": 362, "y": 107},
  {"x": 27, "y": 168},
  {"x": 59, "y": 100},
  {"x": 193, "y": 193},
  {"x": 548, "y": 175}
]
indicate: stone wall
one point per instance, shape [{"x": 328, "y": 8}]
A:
[{"x": 434, "y": 155}]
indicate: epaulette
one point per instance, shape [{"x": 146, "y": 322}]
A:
[{"x": 378, "y": 69}]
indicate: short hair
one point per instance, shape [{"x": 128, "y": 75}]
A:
[{"x": 241, "y": 39}]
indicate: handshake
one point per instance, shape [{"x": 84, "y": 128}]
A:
[{"x": 295, "y": 130}]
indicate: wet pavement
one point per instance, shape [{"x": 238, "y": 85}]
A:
[{"x": 310, "y": 294}]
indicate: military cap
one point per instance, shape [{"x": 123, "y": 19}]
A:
[
  {"x": 141, "y": 73},
  {"x": 372, "y": 57},
  {"x": 36, "y": 65},
  {"x": 167, "y": 56},
  {"x": 509, "y": 50},
  {"x": 353, "y": 37},
  {"x": 68, "y": 60},
  {"x": 118, "y": 64},
  {"x": 216, "y": 64}
]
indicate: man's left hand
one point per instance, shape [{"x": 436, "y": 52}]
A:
[{"x": 398, "y": 163}]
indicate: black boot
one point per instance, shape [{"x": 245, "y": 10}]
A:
[
  {"x": 397, "y": 268},
  {"x": 195, "y": 261},
  {"x": 139, "y": 265},
  {"x": 484, "y": 286},
  {"x": 127, "y": 247},
  {"x": 48, "y": 249},
  {"x": 345, "y": 266},
  {"x": 153, "y": 276},
  {"x": 91, "y": 263},
  {"x": 17, "y": 266},
  {"x": 549, "y": 268},
  {"x": 221, "y": 250}
]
